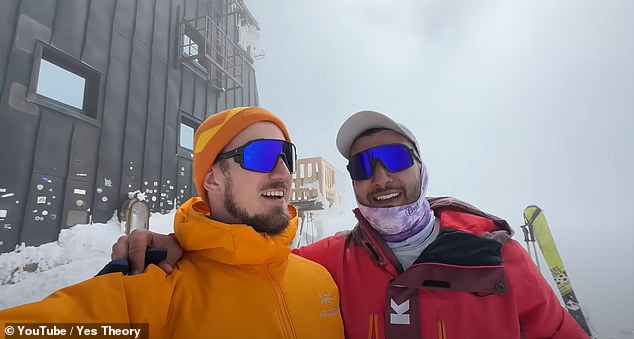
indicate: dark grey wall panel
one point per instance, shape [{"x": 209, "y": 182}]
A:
[
  {"x": 83, "y": 153},
  {"x": 50, "y": 168},
  {"x": 245, "y": 90},
  {"x": 18, "y": 121},
  {"x": 231, "y": 95},
  {"x": 246, "y": 81},
  {"x": 187, "y": 104},
  {"x": 44, "y": 205},
  {"x": 125, "y": 17},
  {"x": 144, "y": 21},
  {"x": 70, "y": 26},
  {"x": 212, "y": 100},
  {"x": 113, "y": 125},
  {"x": 8, "y": 21},
  {"x": 154, "y": 124},
  {"x": 154, "y": 134},
  {"x": 15, "y": 169},
  {"x": 172, "y": 102},
  {"x": 184, "y": 188},
  {"x": 153, "y": 157},
  {"x": 132, "y": 170},
  {"x": 96, "y": 52},
  {"x": 76, "y": 203},
  {"x": 42, "y": 12},
  {"x": 222, "y": 101},
  {"x": 162, "y": 29},
  {"x": 200, "y": 98},
  {"x": 82, "y": 166},
  {"x": 19, "y": 118},
  {"x": 252, "y": 88},
  {"x": 53, "y": 141},
  {"x": 239, "y": 98},
  {"x": 98, "y": 33},
  {"x": 188, "y": 91},
  {"x": 189, "y": 9},
  {"x": 73, "y": 169}
]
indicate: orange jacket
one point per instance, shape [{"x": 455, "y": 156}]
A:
[{"x": 232, "y": 282}]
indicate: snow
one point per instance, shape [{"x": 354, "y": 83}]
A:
[{"x": 31, "y": 273}]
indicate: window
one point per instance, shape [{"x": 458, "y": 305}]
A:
[
  {"x": 186, "y": 129},
  {"x": 50, "y": 78},
  {"x": 65, "y": 84},
  {"x": 193, "y": 53},
  {"x": 190, "y": 50},
  {"x": 187, "y": 136},
  {"x": 190, "y": 47}
]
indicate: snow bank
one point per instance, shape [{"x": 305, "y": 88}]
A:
[{"x": 30, "y": 273}]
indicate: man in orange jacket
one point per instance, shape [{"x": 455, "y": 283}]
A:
[
  {"x": 418, "y": 267},
  {"x": 236, "y": 278}
]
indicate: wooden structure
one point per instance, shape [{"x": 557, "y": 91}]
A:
[
  {"x": 313, "y": 185},
  {"x": 313, "y": 189}
]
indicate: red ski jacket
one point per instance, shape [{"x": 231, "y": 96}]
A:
[{"x": 473, "y": 281}]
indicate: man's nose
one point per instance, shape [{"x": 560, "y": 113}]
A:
[
  {"x": 381, "y": 175},
  {"x": 280, "y": 170}
]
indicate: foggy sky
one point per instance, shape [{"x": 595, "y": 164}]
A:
[{"x": 514, "y": 103}]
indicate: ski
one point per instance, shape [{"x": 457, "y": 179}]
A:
[{"x": 538, "y": 230}]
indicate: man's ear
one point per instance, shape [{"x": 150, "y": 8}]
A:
[{"x": 212, "y": 179}]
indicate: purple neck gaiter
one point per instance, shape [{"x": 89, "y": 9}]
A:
[{"x": 398, "y": 223}]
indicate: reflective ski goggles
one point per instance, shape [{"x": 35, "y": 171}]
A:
[
  {"x": 260, "y": 155},
  {"x": 394, "y": 157}
]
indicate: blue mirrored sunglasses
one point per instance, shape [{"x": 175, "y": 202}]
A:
[
  {"x": 260, "y": 155},
  {"x": 394, "y": 157}
]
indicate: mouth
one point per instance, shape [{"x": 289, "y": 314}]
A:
[
  {"x": 274, "y": 195},
  {"x": 386, "y": 198}
]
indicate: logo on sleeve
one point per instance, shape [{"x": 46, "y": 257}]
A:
[{"x": 325, "y": 298}]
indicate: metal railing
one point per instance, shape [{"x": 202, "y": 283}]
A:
[{"x": 205, "y": 44}]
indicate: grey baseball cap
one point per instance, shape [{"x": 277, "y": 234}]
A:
[{"x": 363, "y": 121}]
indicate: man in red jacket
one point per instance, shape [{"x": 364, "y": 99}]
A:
[{"x": 418, "y": 267}]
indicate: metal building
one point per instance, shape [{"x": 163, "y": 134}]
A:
[{"x": 101, "y": 98}]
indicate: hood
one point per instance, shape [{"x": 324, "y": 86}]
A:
[{"x": 233, "y": 244}]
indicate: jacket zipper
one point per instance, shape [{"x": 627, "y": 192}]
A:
[
  {"x": 373, "y": 326},
  {"x": 442, "y": 331},
  {"x": 378, "y": 258},
  {"x": 287, "y": 327}
]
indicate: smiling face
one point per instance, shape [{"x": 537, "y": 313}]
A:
[
  {"x": 239, "y": 196},
  {"x": 384, "y": 188}
]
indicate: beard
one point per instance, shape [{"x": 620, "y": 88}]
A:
[{"x": 272, "y": 223}]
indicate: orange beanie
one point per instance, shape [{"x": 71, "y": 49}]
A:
[{"x": 215, "y": 133}]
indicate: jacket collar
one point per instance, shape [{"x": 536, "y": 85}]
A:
[
  {"x": 486, "y": 225},
  {"x": 233, "y": 244},
  {"x": 452, "y": 213}
]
